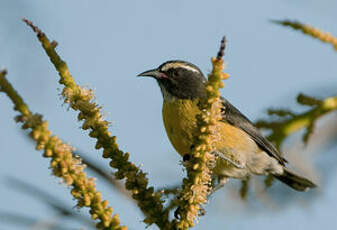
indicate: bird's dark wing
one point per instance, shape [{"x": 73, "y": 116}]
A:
[{"x": 234, "y": 117}]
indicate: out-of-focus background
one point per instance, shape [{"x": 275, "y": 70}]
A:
[{"x": 107, "y": 43}]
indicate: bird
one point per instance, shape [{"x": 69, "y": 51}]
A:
[{"x": 241, "y": 149}]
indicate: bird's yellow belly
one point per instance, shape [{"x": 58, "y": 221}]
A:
[{"x": 179, "y": 118}]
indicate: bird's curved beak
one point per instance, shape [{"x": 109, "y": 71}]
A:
[{"x": 150, "y": 73}]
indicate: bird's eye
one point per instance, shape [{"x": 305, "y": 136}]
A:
[{"x": 175, "y": 73}]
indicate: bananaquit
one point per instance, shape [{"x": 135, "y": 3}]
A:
[{"x": 241, "y": 148}]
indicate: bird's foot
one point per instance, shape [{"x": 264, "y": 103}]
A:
[{"x": 222, "y": 180}]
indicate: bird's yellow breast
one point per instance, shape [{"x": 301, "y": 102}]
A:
[
  {"x": 180, "y": 122},
  {"x": 179, "y": 118}
]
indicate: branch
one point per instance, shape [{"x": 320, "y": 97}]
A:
[
  {"x": 63, "y": 164},
  {"x": 48, "y": 199},
  {"x": 107, "y": 176},
  {"x": 80, "y": 99},
  {"x": 309, "y": 30},
  {"x": 291, "y": 122},
  {"x": 27, "y": 221},
  {"x": 288, "y": 125},
  {"x": 104, "y": 174},
  {"x": 196, "y": 186}
]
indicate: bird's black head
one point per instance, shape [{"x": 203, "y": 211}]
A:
[{"x": 179, "y": 79}]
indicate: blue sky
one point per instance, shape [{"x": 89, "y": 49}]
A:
[{"x": 107, "y": 43}]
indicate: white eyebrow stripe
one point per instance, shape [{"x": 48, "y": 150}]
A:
[{"x": 178, "y": 65}]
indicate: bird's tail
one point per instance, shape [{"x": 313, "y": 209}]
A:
[{"x": 294, "y": 181}]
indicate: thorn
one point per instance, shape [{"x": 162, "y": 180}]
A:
[
  {"x": 3, "y": 72},
  {"x": 294, "y": 24},
  {"x": 275, "y": 21},
  {"x": 54, "y": 44},
  {"x": 221, "y": 52},
  {"x": 35, "y": 28}
]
